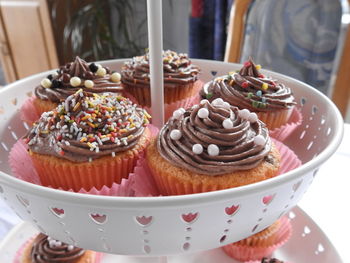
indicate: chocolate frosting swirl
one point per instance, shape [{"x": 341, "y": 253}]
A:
[
  {"x": 249, "y": 89},
  {"x": 241, "y": 145},
  {"x": 62, "y": 88},
  {"x": 47, "y": 250},
  {"x": 178, "y": 70},
  {"x": 84, "y": 128}
]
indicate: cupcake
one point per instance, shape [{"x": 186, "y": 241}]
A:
[
  {"x": 43, "y": 249},
  {"x": 180, "y": 78},
  {"x": 211, "y": 146},
  {"x": 88, "y": 141},
  {"x": 68, "y": 79},
  {"x": 272, "y": 101},
  {"x": 262, "y": 244}
]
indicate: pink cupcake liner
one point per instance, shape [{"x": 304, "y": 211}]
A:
[
  {"x": 19, "y": 252},
  {"x": 28, "y": 111},
  {"x": 289, "y": 160},
  {"x": 139, "y": 183},
  {"x": 246, "y": 253},
  {"x": 283, "y": 132}
]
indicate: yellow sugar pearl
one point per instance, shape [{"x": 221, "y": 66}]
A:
[
  {"x": 115, "y": 77},
  {"x": 258, "y": 67},
  {"x": 265, "y": 86},
  {"x": 101, "y": 72},
  {"x": 75, "y": 81},
  {"x": 46, "y": 83},
  {"x": 88, "y": 83}
]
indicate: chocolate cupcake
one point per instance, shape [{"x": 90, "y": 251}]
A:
[
  {"x": 211, "y": 146},
  {"x": 248, "y": 89},
  {"x": 43, "y": 249},
  {"x": 88, "y": 141},
  {"x": 180, "y": 78},
  {"x": 68, "y": 79}
]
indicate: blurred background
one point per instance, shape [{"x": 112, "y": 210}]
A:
[{"x": 305, "y": 39}]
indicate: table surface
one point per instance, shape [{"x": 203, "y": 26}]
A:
[{"x": 321, "y": 202}]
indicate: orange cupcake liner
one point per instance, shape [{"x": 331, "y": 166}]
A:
[
  {"x": 100, "y": 172},
  {"x": 138, "y": 183},
  {"x": 276, "y": 119},
  {"x": 142, "y": 94},
  {"x": 42, "y": 106},
  {"x": 257, "y": 252}
]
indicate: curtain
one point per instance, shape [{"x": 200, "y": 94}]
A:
[{"x": 208, "y": 24}]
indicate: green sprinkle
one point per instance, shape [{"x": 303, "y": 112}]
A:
[
  {"x": 209, "y": 95},
  {"x": 255, "y": 104},
  {"x": 250, "y": 95}
]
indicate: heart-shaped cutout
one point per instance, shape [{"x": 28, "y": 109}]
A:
[
  {"x": 144, "y": 220},
  {"x": 296, "y": 186},
  {"x": 231, "y": 210},
  {"x": 59, "y": 212},
  {"x": 213, "y": 73},
  {"x": 25, "y": 202},
  {"x": 254, "y": 228},
  {"x": 268, "y": 199},
  {"x": 98, "y": 218},
  {"x": 190, "y": 217},
  {"x": 307, "y": 230}
]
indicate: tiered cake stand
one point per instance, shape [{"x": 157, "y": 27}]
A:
[{"x": 169, "y": 225}]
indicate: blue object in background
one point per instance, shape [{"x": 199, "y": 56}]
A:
[
  {"x": 297, "y": 38},
  {"x": 208, "y": 25}
]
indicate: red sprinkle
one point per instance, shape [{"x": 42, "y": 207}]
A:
[
  {"x": 261, "y": 76},
  {"x": 59, "y": 137},
  {"x": 112, "y": 139},
  {"x": 92, "y": 139},
  {"x": 27, "y": 140},
  {"x": 247, "y": 64},
  {"x": 245, "y": 84},
  {"x": 61, "y": 152}
]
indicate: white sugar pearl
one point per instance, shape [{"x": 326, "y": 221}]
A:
[
  {"x": 46, "y": 83},
  {"x": 70, "y": 247},
  {"x": 178, "y": 113},
  {"x": 259, "y": 140},
  {"x": 197, "y": 148},
  {"x": 227, "y": 123},
  {"x": 217, "y": 102},
  {"x": 175, "y": 135},
  {"x": 213, "y": 150},
  {"x": 58, "y": 243},
  {"x": 203, "y": 113},
  {"x": 52, "y": 243},
  {"x": 55, "y": 74},
  {"x": 226, "y": 105},
  {"x": 244, "y": 114},
  {"x": 204, "y": 101},
  {"x": 115, "y": 77},
  {"x": 101, "y": 72},
  {"x": 253, "y": 117},
  {"x": 88, "y": 83},
  {"x": 75, "y": 81}
]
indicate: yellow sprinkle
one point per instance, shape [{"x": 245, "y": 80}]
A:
[
  {"x": 123, "y": 130},
  {"x": 90, "y": 124},
  {"x": 96, "y": 95},
  {"x": 90, "y": 145},
  {"x": 86, "y": 117},
  {"x": 83, "y": 139},
  {"x": 132, "y": 125},
  {"x": 44, "y": 132},
  {"x": 76, "y": 106},
  {"x": 147, "y": 115},
  {"x": 258, "y": 67},
  {"x": 231, "y": 72},
  {"x": 265, "y": 86},
  {"x": 103, "y": 136},
  {"x": 130, "y": 136},
  {"x": 78, "y": 91}
]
